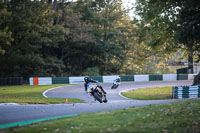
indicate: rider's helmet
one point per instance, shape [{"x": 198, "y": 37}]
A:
[{"x": 87, "y": 79}]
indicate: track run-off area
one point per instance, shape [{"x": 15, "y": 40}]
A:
[{"x": 13, "y": 113}]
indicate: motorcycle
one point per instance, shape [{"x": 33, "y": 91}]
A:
[
  {"x": 115, "y": 84},
  {"x": 96, "y": 92}
]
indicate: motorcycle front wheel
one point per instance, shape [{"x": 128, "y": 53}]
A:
[
  {"x": 97, "y": 97},
  {"x": 113, "y": 86}
]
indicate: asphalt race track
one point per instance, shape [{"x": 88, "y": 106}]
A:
[{"x": 12, "y": 112}]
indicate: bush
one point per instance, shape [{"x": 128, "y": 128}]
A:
[{"x": 92, "y": 71}]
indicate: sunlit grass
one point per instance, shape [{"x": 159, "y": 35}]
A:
[
  {"x": 30, "y": 94},
  {"x": 150, "y": 93}
]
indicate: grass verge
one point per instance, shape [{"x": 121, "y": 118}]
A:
[
  {"x": 157, "y": 93},
  {"x": 30, "y": 94},
  {"x": 181, "y": 117}
]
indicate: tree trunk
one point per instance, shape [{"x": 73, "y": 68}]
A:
[
  {"x": 196, "y": 80},
  {"x": 55, "y": 5},
  {"x": 190, "y": 61},
  {"x": 55, "y": 8},
  {"x": 49, "y": 1}
]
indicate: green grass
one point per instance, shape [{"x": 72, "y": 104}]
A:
[
  {"x": 181, "y": 117},
  {"x": 30, "y": 94},
  {"x": 150, "y": 93}
]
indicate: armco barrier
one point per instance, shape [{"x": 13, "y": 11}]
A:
[
  {"x": 127, "y": 78},
  {"x": 182, "y": 76},
  {"x": 45, "y": 81},
  {"x": 109, "y": 79},
  {"x": 155, "y": 77},
  {"x": 191, "y": 76},
  {"x": 186, "y": 92},
  {"x": 40, "y": 81},
  {"x": 141, "y": 78},
  {"x": 76, "y": 80},
  {"x": 98, "y": 78},
  {"x": 60, "y": 80},
  {"x": 169, "y": 77}
]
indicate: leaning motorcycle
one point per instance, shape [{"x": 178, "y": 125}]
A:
[
  {"x": 96, "y": 92},
  {"x": 115, "y": 85}
]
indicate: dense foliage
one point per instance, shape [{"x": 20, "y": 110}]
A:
[
  {"x": 61, "y": 38},
  {"x": 64, "y": 38},
  {"x": 170, "y": 25}
]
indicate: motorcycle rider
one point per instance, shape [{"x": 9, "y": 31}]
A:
[
  {"x": 88, "y": 80},
  {"x": 117, "y": 80}
]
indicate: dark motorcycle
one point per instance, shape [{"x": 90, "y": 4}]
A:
[
  {"x": 115, "y": 84},
  {"x": 96, "y": 92}
]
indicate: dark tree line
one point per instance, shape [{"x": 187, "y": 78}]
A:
[
  {"x": 93, "y": 37},
  {"x": 61, "y": 38}
]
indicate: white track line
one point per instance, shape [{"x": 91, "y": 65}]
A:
[
  {"x": 9, "y": 104},
  {"x": 44, "y": 93}
]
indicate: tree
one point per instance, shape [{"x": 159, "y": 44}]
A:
[
  {"x": 78, "y": 50},
  {"x": 188, "y": 28},
  {"x": 163, "y": 23},
  {"x": 5, "y": 33},
  {"x": 35, "y": 38},
  {"x": 106, "y": 18}
]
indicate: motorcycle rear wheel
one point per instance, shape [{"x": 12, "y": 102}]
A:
[{"x": 113, "y": 86}]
